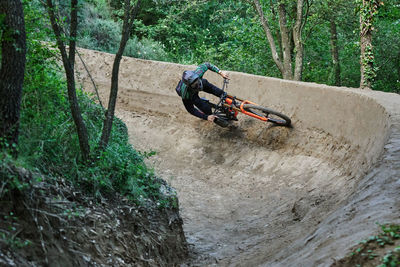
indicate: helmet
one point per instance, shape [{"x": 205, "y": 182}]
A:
[{"x": 192, "y": 80}]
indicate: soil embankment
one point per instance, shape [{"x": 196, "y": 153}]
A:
[
  {"x": 53, "y": 224},
  {"x": 262, "y": 195}
]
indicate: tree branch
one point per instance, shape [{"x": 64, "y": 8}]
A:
[
  {"x": 256, "y": 4},
  {"x": 73, "y": 32},
  {"x": 129, "y": 17}
]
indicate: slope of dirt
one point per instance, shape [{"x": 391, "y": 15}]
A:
[
  {"x": 51, "y": 223},
  {"x": 245, "y": 193},
  {"x": 262, "y": 195}
]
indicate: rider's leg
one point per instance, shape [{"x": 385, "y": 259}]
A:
[
  {"x": 202, "y": 105},
  {"x": 211, "y": 88}
]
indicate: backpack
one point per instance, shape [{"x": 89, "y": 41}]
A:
[{"x": 178, "y": 88}]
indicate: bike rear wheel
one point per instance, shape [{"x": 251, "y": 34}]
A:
[{"x": 271, "y": 115}]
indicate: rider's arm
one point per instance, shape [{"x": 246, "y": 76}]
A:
[
  {"x": 201, "y": 69},
  {"x": 189, "y": 105}
]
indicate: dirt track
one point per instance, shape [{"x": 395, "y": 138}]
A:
[{"x": 256, "y": 194}]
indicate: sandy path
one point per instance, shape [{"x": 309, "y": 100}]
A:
[
  {"x": 244, "y": 193},
  {"x": 259, "y": 195}
]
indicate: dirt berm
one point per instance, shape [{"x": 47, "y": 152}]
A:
[{"x": 262, "y": 195}]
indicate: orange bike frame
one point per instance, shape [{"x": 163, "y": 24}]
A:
[{"x": 228, "y": 103}]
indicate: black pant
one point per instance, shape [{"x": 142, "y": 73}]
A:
[{"x": 203, "y": 104}]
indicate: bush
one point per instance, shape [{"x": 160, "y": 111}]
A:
[
  {"x": 100, "y": 34},
  {"x": 145, "y": 49}
]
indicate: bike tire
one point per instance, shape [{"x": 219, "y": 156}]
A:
[{"x": 269, "y": 114}]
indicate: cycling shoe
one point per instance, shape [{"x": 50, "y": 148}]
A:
[{"x": 221, "y": 122}]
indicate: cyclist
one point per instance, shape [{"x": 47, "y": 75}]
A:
[{"x": 192, "y": 83}]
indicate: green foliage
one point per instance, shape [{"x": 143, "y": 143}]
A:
[
  {"x": 224, "y": 32},
  {"x": 318, "y": 65},
  {"x": 318, "y": 48},
  {"x": 229, "y": 34},
  {"x": 368, "y": 63},
  {"x": 145, "y": 49},
  {"x": 100, "y": 34},
  {"x": 368, "y": 249},
  {"x": 391, "y": 230},
  {"x": 391, "y": 259},
  {"x": 48, "y": 139},
  {"x": 387, "y": 47},
  {"x": 9, "y": 236},
  {"x": 245, "y": 47},
  {"x": 96, "y": 29},
  {"x": 8, "y": 178},
  {"x": 100, "y": 29},
  {"x": 49, "y": 142},
  {"x": 368, "y": 11},
  {"x": 10, "y": 181}
]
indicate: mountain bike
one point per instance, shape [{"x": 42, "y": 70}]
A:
[{"x": 229, "y": 106}]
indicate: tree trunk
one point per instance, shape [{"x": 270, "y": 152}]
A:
[
  {"x": 335, "y": 53},
  {"x": 286, "y": 48},
  {"x": 268, "y": 34},
  {"x": 367, "y": 63},
  {"x": 298, "y": 41},
  {"x": 129, "y": 17},
  {"x": 290, "y": 39},
  {"x": 368, "y": 11},
  {"x": 276, "y": 33},
  {"x": 13, "y": 58},
  {"x": 68, "y": 63}
]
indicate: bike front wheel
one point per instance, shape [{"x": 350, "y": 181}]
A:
[{"x": 269, "y": 114}]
